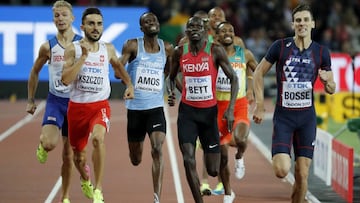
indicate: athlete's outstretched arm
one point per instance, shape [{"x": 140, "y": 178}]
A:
[
  {"x": 42, "y": 58},
  {"x": 260, "y": 71}
]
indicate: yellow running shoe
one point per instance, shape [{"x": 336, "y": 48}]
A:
[
  {"x": 87, "y": 188},
  {"x": 66, "y": 200},
  {"x": 205, "y": 189},
  {"x": 98, "y": 196},
  {"x": 219, "y": 190},
  {"x": 198, "y": 144},
  {"x": 41, "y": 154}
]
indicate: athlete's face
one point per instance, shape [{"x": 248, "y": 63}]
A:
[
  {"x": 93, "y": 27},
  {"x": 303, "y": 23},
  {"x": 225, "y": 34},
  {"x": 205, "y": 19},
  {"x": 195, "y": 29},
  {"x": 216, "y": 16},
  {"x": 63, "y": 18},
  {"x": 149, "y": 24}
]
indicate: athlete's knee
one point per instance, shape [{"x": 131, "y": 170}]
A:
[
  {"x": 189, "y": 161},
  {"x": 281, "y": 164},
  {"x": 79, "y": 158},
  {"x": 97, "y": 140},
  {"x": 67, "y": 155},
  {"x": 47, "y": 141},
  {"x": 212, "y": 171},
  {"x": 280, "y": 172},
  {"x": 224, "y": 160},
  {"x": 135, "y": 158},
  {"x": 156, "y": 151},
  {"x": 301, "y": 174}
]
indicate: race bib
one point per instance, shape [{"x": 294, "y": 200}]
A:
[
  {"x": 223, "y": 82},
  {"x": 59, "y": 86},
  {"x": 297, "y": 94},
  {"x": 149, "y": 80},
  {"x": 90, "y": 83},
  {"x": 198, "y": 88}
]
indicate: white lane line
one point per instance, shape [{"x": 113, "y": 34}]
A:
[
  {"x": 54, "y": 191},
  {"x": 173, "y": 160},
  {"x": 22, "y": 122},
  {"x": 267, "y": 154}
]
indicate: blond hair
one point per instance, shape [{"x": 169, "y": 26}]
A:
[{"x": 62, "y": 3}]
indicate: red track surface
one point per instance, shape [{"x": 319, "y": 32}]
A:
[{"x": 23, "y": 179}]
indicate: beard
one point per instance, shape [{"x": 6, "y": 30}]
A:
[{"x": 91, "y": 38}]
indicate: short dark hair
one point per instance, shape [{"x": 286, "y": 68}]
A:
[
  {"x": 220, "y": 24},
  {"x": 144, "y": 14},
  {"x": 89, "y": 11},
  {"x": 302, "y": 7}
]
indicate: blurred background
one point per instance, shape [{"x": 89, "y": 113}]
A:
[{"x": 258, "y": 22}]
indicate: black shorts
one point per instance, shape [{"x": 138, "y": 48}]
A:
[
  {"x": 141, "y": 122},
  {"x": 193, "y": 122}
]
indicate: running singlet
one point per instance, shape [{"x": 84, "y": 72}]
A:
[
  {"x": 56, "y": 67},
  {"x": 223, "y": 85},
  {"x": 199, "y": 77},
  {"x": 297, "y": 71},
  {"x": 147, "y": 75},
  {"x": 92, "y": 82}
]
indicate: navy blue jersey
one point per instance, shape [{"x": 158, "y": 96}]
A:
[{"x": 297, "y": 71}]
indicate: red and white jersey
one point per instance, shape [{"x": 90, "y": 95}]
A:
[{"x": 92, "y": 82}]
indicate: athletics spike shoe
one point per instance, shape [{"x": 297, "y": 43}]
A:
[
  {"x": 41, "y": 154},
  {"x": 66, "y": 200},
  {"x": 156, "y": 198},
  {"x": 239, "y": 168},
  {"x": 229, "y": 198},
  {"x": 205, "y": 189},
  {"x": 98, "y": 196},
  {"x": 86, "y": 186},
  {"x": 219, "y": 190}
]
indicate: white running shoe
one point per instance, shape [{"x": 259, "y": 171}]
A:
[
  {"x": 229, "y": 198},
  {"x": 239, "y": 168},
  {"x": 156, "y": 198}
]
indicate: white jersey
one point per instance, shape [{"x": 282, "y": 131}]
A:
[
  {"x": 92, "y": 83},
  {"x": 55, "y": 66}
]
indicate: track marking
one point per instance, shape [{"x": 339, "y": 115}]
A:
[
  {"x": 54, "y": 191},
  {"x": 173, "y": 160},
  {"x": 22, "y": 122}
]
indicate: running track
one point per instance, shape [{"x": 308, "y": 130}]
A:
[{"x": 23, "y": 179}]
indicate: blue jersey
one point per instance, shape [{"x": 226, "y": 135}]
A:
[
  {"x": 56, "y": 63},
  {"x": 297, "y": 71},
  {"x": 147, "y": 75}
]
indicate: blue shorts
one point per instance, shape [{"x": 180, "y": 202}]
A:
[
  {"x": 56, "y": 113},
  {"x": 295, "y": 128}
]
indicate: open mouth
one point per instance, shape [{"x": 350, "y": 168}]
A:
[
  {"x": 195, "y": 34},
  {"x": 153, "y": 28}
]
